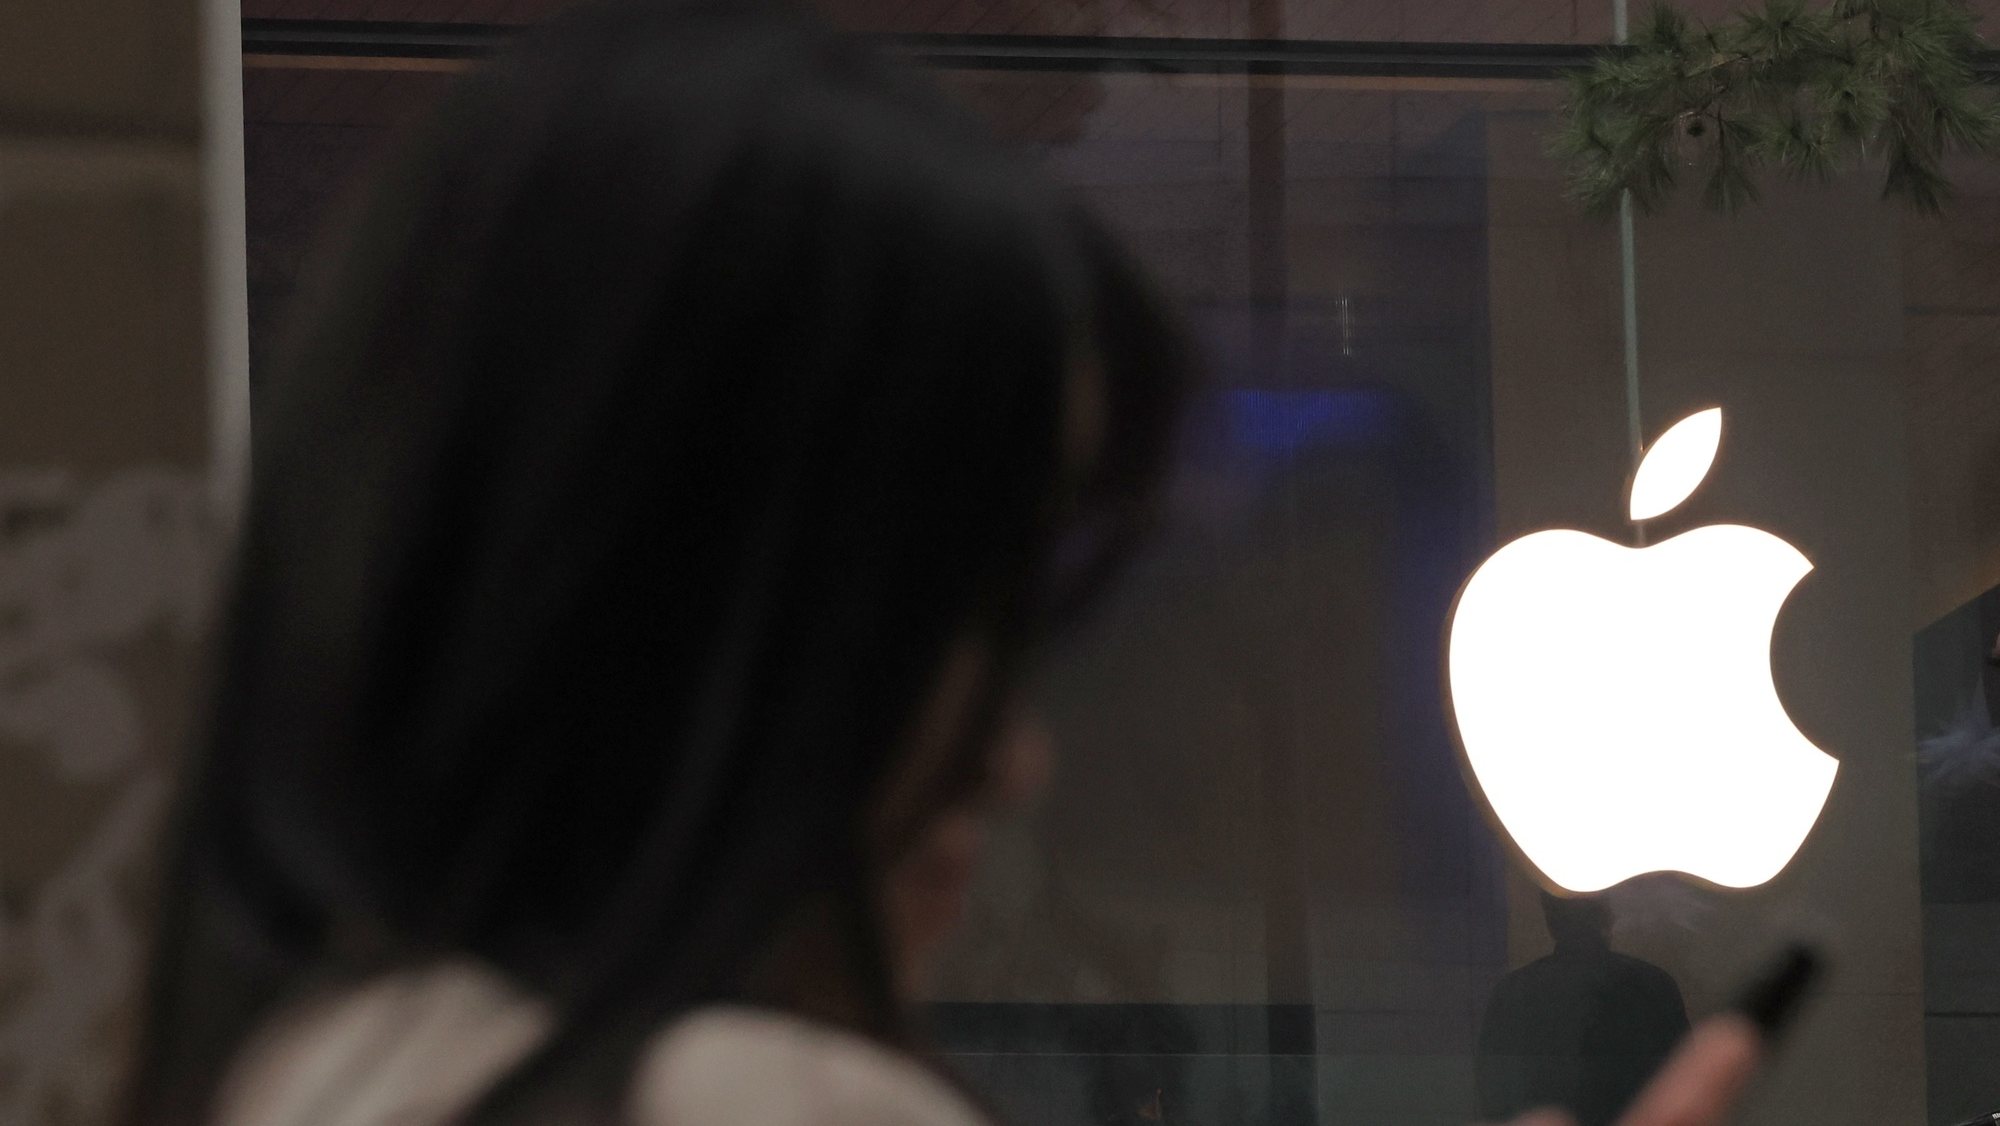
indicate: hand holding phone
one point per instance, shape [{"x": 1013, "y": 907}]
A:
[{"x": 1702, "y": 1082}]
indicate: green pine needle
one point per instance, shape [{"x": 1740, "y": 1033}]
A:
[{"x": 1791, "y": 86}]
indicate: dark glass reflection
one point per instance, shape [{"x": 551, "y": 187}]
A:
[{"x": 1582, "y": 1028}]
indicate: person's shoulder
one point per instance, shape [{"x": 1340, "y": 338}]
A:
[
  {"x": 411, "y": 1046},
  {"x": 749, "y": 1067},
  {"x": 1641, "y": 970}
]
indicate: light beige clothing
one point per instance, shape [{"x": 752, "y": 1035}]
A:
[{"x": 412, "y": 1050}]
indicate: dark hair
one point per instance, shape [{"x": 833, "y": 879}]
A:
[{"x": 691, "y": 385}]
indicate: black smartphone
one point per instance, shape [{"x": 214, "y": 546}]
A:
[
  {"x": 1771, "y": 1001},
  {"x": 1774, "y": 995}
]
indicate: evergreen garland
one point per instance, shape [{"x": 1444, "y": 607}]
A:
[{"x": 1786, "y": 85}]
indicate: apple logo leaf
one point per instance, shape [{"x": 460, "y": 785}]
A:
[{"x": 1675, "y": 464}]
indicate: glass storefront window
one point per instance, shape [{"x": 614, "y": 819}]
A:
[{"x": 1261, "y": 890}]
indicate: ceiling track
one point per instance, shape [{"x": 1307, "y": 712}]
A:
[
  {"x": 275, "y": 39},
  {"x": 361, "y": 39}
]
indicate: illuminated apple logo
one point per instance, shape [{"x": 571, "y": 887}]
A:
[{"x": 1616, "y": 705}]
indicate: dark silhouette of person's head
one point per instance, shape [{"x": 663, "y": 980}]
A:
[
  {"x": 696, "y": 388},
  {"x": 1577, "y": 923}
]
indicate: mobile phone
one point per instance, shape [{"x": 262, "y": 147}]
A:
[
  {"x": 1708, "y": 1072},
  {"x": 1770, "y": 1001},
  {"x": 1774, "y": 995}
]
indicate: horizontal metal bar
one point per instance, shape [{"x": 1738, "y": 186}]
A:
[
  {"x": 378, "y": 39},
  {"x": 1163, "y": 55},
  {"x": 374, "y": 38},
  {"x": 1243, "y": 56}
]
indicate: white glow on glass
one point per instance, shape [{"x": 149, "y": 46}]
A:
[
  {"x": 1675, "y": 464},
  {"x": 1617, "y": 709}
]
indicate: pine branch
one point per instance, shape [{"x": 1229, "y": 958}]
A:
[{"x": 1787, "y": 87}]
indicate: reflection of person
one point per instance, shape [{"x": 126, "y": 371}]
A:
[{"x": 1583, "y": 1028}]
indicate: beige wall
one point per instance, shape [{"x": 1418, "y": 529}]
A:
[
  {"x": 1951, "y": 276},
  {"x": 106, "y": 517}
]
